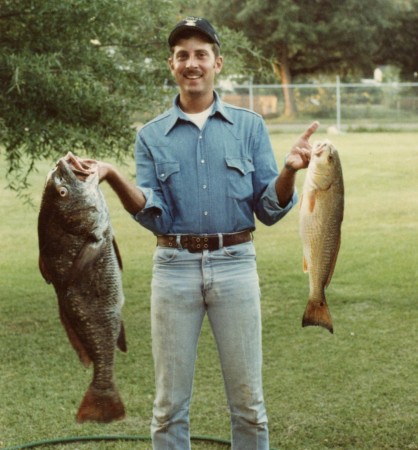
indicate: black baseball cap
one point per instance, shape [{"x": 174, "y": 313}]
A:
[{"x": 194, "y": 23}]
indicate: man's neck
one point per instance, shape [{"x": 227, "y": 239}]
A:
[{"x": 194, "y": 105}]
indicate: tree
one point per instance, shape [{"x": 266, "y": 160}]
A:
[
  {"x": 399, "y": 44},
  {"x": 73, "y": 73},
  {"x": 307, "y": 37}
]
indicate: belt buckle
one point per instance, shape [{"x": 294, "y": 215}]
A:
[{"x": 198, "y": 244}]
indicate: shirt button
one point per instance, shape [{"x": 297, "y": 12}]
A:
[
  {"x": 204, "y": 186},
  {"x": 200, "y": 137},
  {"x": 162, "y": 175},
  {"x": 202, "y": 161},
  {"x": 205, "y": 213}
]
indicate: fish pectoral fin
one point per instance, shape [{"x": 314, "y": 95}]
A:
[
  {"x": 311, "y": 201},
  {"x": 121, "y": 342},
  {"x": 90, "y": 252},
  {"x": 74, "y": 339},
  {"x": 44, "y": 270},
  {"x": 305, "y": 265},
  {"x": 333, "y": 263}
]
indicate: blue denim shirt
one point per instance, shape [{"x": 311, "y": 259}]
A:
[{"x": 207, "y": 181}]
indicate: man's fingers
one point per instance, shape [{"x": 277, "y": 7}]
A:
[
  {"x": 311, "y": 130},
  {"x": 305, "y": 155},
  {"x": 81, "y": 167}
]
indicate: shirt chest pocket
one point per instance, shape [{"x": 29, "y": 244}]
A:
[
  {"x": 166, "y": 170},
  {"x": 168, "y": 174},
  {"x": 240, "y": 184}
]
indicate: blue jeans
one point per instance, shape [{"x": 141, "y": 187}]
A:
[{"x": 185, "y": 286}]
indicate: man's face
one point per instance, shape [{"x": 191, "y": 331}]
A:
[{"x": 194, "y": 66}]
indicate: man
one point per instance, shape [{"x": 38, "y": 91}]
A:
[{"x": 204, "y": 170}]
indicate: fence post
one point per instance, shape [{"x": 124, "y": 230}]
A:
[
  {"x": 338, "y": 101},
  {"x": 251, "y": 94}
]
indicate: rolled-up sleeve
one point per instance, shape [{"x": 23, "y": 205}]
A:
[
  {"x": 267, "y": 207},
  {"x": 270, "y": 210},
  {"x": 155, "y": 216}
]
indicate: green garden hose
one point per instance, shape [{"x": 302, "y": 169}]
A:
[{"x": 69, "y": 440}]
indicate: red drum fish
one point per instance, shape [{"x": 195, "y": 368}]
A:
[
  {"x": 79, "y": 256},
  {"x": 321, "y": 215}
]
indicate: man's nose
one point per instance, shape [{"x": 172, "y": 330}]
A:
[{"x": 192, "y": 62}]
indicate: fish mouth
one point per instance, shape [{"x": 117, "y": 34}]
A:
[
  {"x": 71, "y": 167},
  {"x": 321, "y": 147}
]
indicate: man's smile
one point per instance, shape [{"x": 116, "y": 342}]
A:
[{"x": 192, "y": 75}]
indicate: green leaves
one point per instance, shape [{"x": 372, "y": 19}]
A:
[{"x": 75, "y": 75}]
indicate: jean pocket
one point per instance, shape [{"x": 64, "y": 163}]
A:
[
  {"x": 164, "y": 255},
  {"x": 245, "y": 250}
]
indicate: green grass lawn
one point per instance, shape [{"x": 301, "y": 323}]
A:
[{"x": 356, "y": 389}]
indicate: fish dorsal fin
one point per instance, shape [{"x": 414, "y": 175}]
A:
[
  {"x": 74, "y": 339},
  {"x": 117, "y": 252},
  {"x": 331, "y": 271},
  {"x": 121, "y": 342},
  {"x": 44, "y": 270}
]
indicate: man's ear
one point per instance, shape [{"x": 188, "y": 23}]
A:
[
  {"x": 171, "y": 63},
  {"x": 219, "y": 62}
]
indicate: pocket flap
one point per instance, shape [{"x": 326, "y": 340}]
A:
[
  {"x": 166, "y": 169},
  {"x": 244, "y": 166}
]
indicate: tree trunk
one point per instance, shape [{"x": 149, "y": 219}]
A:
[{"x": 282, "y": 70}]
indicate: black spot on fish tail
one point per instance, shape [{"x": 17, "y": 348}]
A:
[{"x": 317, "y": 314}]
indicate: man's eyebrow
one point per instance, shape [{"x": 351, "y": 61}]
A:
[{"x": 198, "y": 50}]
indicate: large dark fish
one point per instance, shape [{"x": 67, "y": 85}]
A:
[
  {"x": 321, "y": 215},
  {"x": 79, "y": 256}
]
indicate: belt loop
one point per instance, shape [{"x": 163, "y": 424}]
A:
[
  {"x": 221, "y": 240},
  {"x": 178, "y": 241}
]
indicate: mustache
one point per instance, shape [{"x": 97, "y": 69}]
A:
[{"x": 192, "y": 72}]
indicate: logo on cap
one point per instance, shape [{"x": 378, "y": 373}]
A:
[{"x": 191, "y": 21}]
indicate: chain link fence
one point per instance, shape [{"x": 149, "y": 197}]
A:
[{"x": 340, "y": 106}]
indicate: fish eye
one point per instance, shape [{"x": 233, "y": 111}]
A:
[{"x": 62, "y": 191}]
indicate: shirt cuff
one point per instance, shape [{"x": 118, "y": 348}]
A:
[
  {"x": 150, "y": 204},
  {"x": 270, "y": 195}
]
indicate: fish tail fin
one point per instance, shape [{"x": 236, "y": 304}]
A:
[
  {"x": 317, "y": 314},
  {"x": 101, "y": 406}
]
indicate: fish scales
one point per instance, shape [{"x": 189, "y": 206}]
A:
[
  {"x": 321, "y": 215},
  {"x": 79, "y": 256}
]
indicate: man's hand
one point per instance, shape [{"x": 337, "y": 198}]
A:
[
  {"x": 130, "y": 196},
  {"x": 104, "y": 169},
  {"x": 300, "y": 154},
  {"x": 79, "y": 166},
  {"x": 83, "y": 168}
]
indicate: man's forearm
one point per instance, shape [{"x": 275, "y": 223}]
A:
[
  {"x": 285, "y": 185},
  {"x": 132, "y": 198}
]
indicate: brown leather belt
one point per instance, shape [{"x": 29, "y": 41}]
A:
[{"x": 197, "y": 243}]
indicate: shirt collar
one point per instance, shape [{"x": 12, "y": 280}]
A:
[{"x": 176, "y": 114}]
